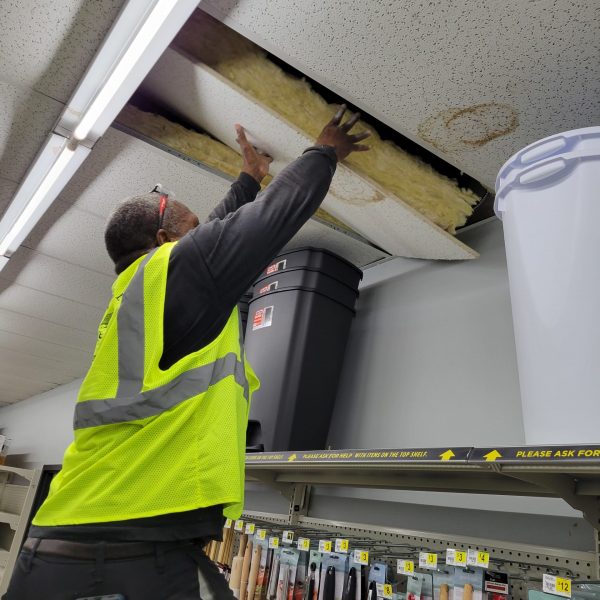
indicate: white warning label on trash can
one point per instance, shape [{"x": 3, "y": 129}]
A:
[{"x": 263, "y": 317}]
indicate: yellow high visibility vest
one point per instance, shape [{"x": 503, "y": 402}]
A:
[{"x": 149, "y": 441}]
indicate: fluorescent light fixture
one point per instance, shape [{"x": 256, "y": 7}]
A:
[
  {"x": 140, "y": 35},
  {"x": 52, "y": 169}
]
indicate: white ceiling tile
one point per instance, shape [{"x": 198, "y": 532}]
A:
[
  {"x": 72, "y": 235},
  {"x": 121, "y": 166},
  {"x": 15, "y": 388},
  {"x": 37, "y": 369},
  {"x": 47, "y": 45},
  {"x": 46, "y": 331},
  {"x": 34, "y": 346},
  {"x": 44, "y": 273},
  {"x": 27, "y": 117},
  {"x": 55, "y": 309},
  {"x": 411, "y": 63},
  {"x": 7, "y": 191}
]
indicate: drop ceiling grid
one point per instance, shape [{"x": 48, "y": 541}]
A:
[{"x": 405, "y": 63}]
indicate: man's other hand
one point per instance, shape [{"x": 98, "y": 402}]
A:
[
  {"x": 256, "y": 164},
  {"x": 337, "y": 135}
]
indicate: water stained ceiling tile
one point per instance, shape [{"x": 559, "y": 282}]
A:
[
  {"x": 472, "y": 81},
  {"x": 27, "y": 117},
  {"x": 47, "y": 45}
]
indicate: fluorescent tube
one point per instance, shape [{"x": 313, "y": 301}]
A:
[{"x": 53, "y": 168}]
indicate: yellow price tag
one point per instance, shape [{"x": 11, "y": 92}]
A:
[
  {"x": 406, "y": 567},
  {"x": 239, "y": 525},
  {"x": 261, "y": 534},
  {"x": 228, "y": 523},
  {"x": 273, "y": 543},
  {"x": 288, "y": 537},
  {"x": 428, "y": 560},
  {"x": 456, "y": 558},
  {"x": 341, "y": 546},
  {"x": 476, "y": 558},
  {"x": 361, "y": 557},
  {"x": 559, "y": 586},
  {"x": 325, "y": 546},
  {"x": 303, "y": 544},
  {"x": 250, "y": 527},
  {"x": 387, "y": 590}
]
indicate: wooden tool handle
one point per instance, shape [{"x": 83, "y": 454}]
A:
[
  {"x": 236, "y": 576},
  {"x": 223, "y": 546},
  {"x": 468, "y": 592},
  {"x": 245, "y": 571},
  {"x": 444, "y": 591},
  {"x": 256, "y": 552},
  {"x": 243, "y": 542}
]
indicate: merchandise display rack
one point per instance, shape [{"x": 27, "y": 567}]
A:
[
  {"x": 568, "y": 472},
  {"x": 17, "y": 492}
]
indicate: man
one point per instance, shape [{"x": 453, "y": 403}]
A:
[{"x": 158, "y": 455}]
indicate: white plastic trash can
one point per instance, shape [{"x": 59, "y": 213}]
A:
[{"x": 548, "y": 197}]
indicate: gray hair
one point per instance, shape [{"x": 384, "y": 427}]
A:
[{"x": 132, "y": 227}]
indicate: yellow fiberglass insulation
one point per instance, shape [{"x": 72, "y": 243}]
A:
[
  {"x": 198, "y": 146},
  {"x": 247, "y": 66}
]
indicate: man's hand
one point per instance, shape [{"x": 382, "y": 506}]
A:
[
  {"x": 256, "y": 164},
  {"x": 337, "y": 135}
]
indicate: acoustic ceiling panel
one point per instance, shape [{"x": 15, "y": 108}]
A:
[
  {"x": 44, "y": 273},
  {"x": 47, "y": 45},
  {"x": 26, "y": 119},
  {"x": 204, "y": 97},
  {"x": 473, "y": 81}
]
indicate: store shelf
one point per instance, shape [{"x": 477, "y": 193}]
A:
[
  {"x": 568, "y": 472},
  {"x": 17, "y": 491},
  {"x": 10, "y": 518}
]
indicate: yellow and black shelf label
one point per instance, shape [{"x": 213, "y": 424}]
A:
[{"x": 588, "y": 454}]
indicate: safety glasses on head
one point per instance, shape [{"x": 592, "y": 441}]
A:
[{"x": 164, "y": 201}]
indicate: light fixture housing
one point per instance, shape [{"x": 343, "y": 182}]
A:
[{"x": 138, "y": 37}]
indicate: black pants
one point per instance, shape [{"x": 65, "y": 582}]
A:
[{"x": 174, "y": 572}]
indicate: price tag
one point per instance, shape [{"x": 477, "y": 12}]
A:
[
  {"x": 475, "y": 558},
  {"x": 456, "y": 558},
  {"x": 288, "y": 537},
  {"x": 559, "y": 586},
  {"x": 228, "y": 524},
  {"x": 261, "y": 534},
  {"x": 361, "y": 557},
  {"x": 303, "y": 544},
  {"x": 405, "y": 567},
  {"x": 384, "y": 590},
  {"x": 239, "y": 525},
  {"x": 341, "y": 546},
  {"x": 250, "y": 528},
  {"x": 428, "y": 560},
  {"x": 273, "y": 543},
  {"x": 325, "y": 546}
]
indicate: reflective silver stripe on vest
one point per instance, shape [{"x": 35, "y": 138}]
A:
[
  {"x": 92, "y": 413},
  {"x": 130, "y": 404}
]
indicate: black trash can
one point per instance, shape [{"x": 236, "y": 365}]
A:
[{"x": 298, "y": 325}]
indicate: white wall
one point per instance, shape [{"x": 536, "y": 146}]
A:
[
  {"x": 41, "y": 427},
  {"x": 431, "y": 362}
]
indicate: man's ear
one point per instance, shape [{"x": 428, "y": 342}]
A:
[{"x": 162, "y": 237}]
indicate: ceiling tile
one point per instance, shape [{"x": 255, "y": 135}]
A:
[
  {"x": 47, "y": 45},
  {"x": 44, "y": 273},
  {"x": 34, "y": 346},
  {"x": 7, "y": 191},
  {"x": 55, "y": 309},
  {"x": 27, "y": 117},
  {"x": 46, "y": 331}
]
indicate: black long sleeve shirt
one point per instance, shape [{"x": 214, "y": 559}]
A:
[{"x": 209, "y": 270}]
